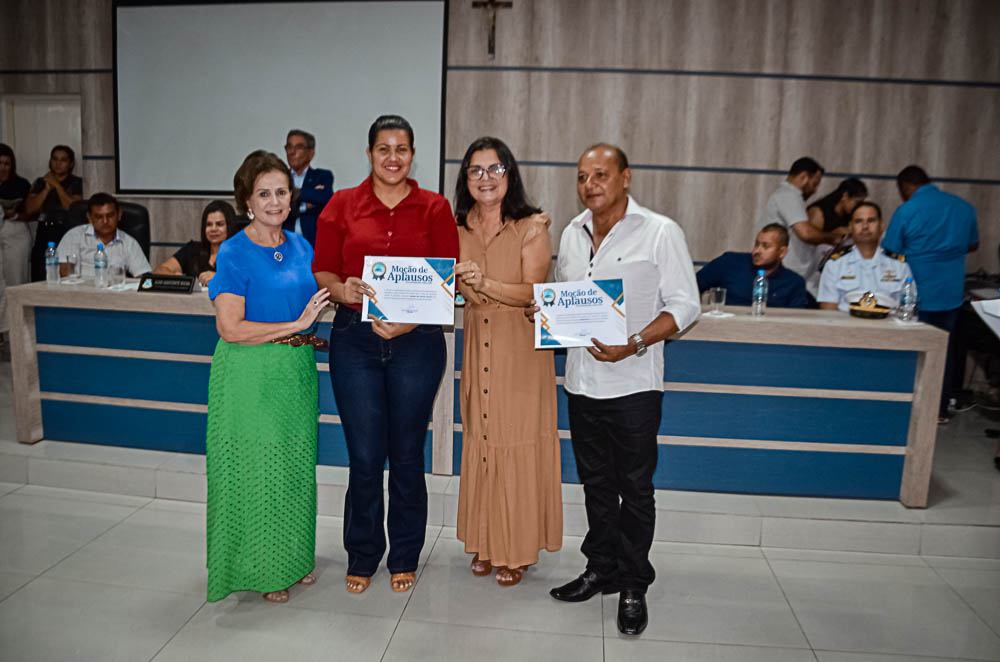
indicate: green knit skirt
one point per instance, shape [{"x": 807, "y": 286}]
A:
[{"x": 261, "y": 463}]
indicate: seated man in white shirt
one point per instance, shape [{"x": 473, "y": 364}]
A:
[
  {"x": 865, "y": 267},
  {"x": 103, "y": 213}
]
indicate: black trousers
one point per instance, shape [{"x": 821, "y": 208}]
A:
[
  {"x": 614, "y": 441},
  {"x": 946, "y": 321}
]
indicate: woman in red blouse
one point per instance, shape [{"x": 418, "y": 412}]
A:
[{"x": 384, "y": 375}]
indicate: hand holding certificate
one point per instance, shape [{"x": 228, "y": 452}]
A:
[
  {"x": 574, "y": 312},
  {"x": 410, "y": 290}
]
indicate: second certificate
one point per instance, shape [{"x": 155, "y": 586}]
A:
[
  {"x": 411, "y": 290},
  {"x": 574, "y": 312}
]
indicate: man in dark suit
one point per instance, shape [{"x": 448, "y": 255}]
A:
[
  {"x": 315, "y": 185},
  {"x": 736, "y": 272}
]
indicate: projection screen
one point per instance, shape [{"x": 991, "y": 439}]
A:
[{"x": 199, "y": 86}]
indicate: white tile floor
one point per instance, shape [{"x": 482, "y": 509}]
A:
[{"x": 91, "y": 576}]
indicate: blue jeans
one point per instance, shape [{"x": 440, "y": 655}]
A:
[{"x": 385, "y": 393}]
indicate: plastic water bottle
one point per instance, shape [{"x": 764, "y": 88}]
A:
[
  {"x": 100, "y": 268},
  {"x": 51, "y": 265},
  {"x": 759, "y": 305},
  {"x": 907, "y": 311}
]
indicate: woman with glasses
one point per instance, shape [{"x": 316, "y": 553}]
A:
[
  {"x": 510, "y": 502},
  {"x": 385, "y": 375}
]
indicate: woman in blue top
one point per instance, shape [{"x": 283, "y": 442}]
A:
[{"x": 262, "y": 396}]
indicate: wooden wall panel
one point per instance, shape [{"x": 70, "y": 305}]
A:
[
  {"x": 939, "y": 39},
  {"x": 55, "y": 34},
  {"x": 729, "y": 123},
  {"x": 98, "y": 176},
  {"x": 175, "y": 220},
  {"x": 760, "y": 119}
]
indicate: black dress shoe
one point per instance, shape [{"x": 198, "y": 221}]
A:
[
  {"x": 632, "y": 615},
  {"x": 584, "y": 587}
]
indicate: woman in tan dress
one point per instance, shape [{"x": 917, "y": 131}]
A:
[{"x": 510, "y": 500}]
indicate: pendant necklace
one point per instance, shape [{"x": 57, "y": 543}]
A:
[{"x": 277, "y": 254}]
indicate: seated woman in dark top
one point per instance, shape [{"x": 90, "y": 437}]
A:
[
  {"x": 197, "y": 258},
  {"x": 59, "y": 188},
  {"x": 834, "y": 209}
]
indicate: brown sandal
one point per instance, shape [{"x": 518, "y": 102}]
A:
[
  {"x": 481, "y": 568},
  {"x": 510, "y": 576},
  {"x": 276, "y": 597},
  {"x": 308, "y": 580},
  {"x": 402, "y": 581},
  {"x": 357, "y": 584}
]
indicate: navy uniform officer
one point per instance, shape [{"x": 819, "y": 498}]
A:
[{"x": 865, "y": 267}]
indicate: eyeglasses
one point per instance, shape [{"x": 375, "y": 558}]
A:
[
  {"x": 296, "y": 148},
  {"x": 476, "y": 172}
]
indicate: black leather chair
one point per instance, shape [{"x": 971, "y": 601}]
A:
[{"x": 134, "y": 221}]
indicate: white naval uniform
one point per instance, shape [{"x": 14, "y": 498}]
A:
[{"x": 848, "y": 276}]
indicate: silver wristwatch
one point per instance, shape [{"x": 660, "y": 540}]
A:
[{"x": 637, "y": 339}]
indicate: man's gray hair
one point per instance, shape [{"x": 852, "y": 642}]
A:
[{"x": 309, "y": 138}]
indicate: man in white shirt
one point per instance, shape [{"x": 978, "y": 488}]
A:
[
  {"x": 616, "y": 392},
  {"x": 787, "y": 207},
  {"x": 103, "y": 213},
  {"x": 865, "y": 267}
]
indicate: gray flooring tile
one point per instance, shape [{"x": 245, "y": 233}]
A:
[
  {"x": 866, "y": 558},
  {"x": 258, "y": 631},
  {"x": 37, "y": 532},
  {"x": 329, "y": 593},
  {"x": 713, "y": 599},
  {"x": 979, "y": 588},
  {"x": 9, "y": 487},
  {"x": 830, "y": 656},
  {"x": 841, "y": 535},
  {"x": 903, "y": 610},
  {"x": 865, "y": 510},
  {"x": 61, "y": 620},
  {"x": 84, "y": 496},
  {"x": 11, "y": 581},
  {"x": 416, "y": 641},
  {"x": 448, "y": 592},
  {"x": 155, "y": 549},
  {"x": 644, "y": 650}
]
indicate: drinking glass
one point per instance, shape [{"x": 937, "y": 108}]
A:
[
  {"x": 717, "y": 297},
  {"x": 73, "y": 276},
  {"x": 116, "y": 279}
]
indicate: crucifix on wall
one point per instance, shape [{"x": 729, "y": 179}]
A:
[{"x": 491, "y": 7}]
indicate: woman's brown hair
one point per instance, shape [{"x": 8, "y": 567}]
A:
[{"x": 254, "y": 165}]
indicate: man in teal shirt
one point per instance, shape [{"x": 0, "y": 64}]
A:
[{"x": 934, "y": 230}]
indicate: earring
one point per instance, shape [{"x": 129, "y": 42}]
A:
[{"x": 250, "y": 214}]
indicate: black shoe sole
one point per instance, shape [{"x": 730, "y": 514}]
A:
[
  {"x": 633, "y": 634},
  {"x": 609, "y": 590}
]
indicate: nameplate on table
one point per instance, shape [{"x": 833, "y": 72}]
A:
[
  {"x": 410, "y": 290},
  {"x": 166, "y": 283},
  {"x": 572, "y": 313}
]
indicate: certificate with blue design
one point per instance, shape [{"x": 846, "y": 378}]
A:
[
  {"x": 574, "y": 312},
  {"x": 410, "y": 290}
]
